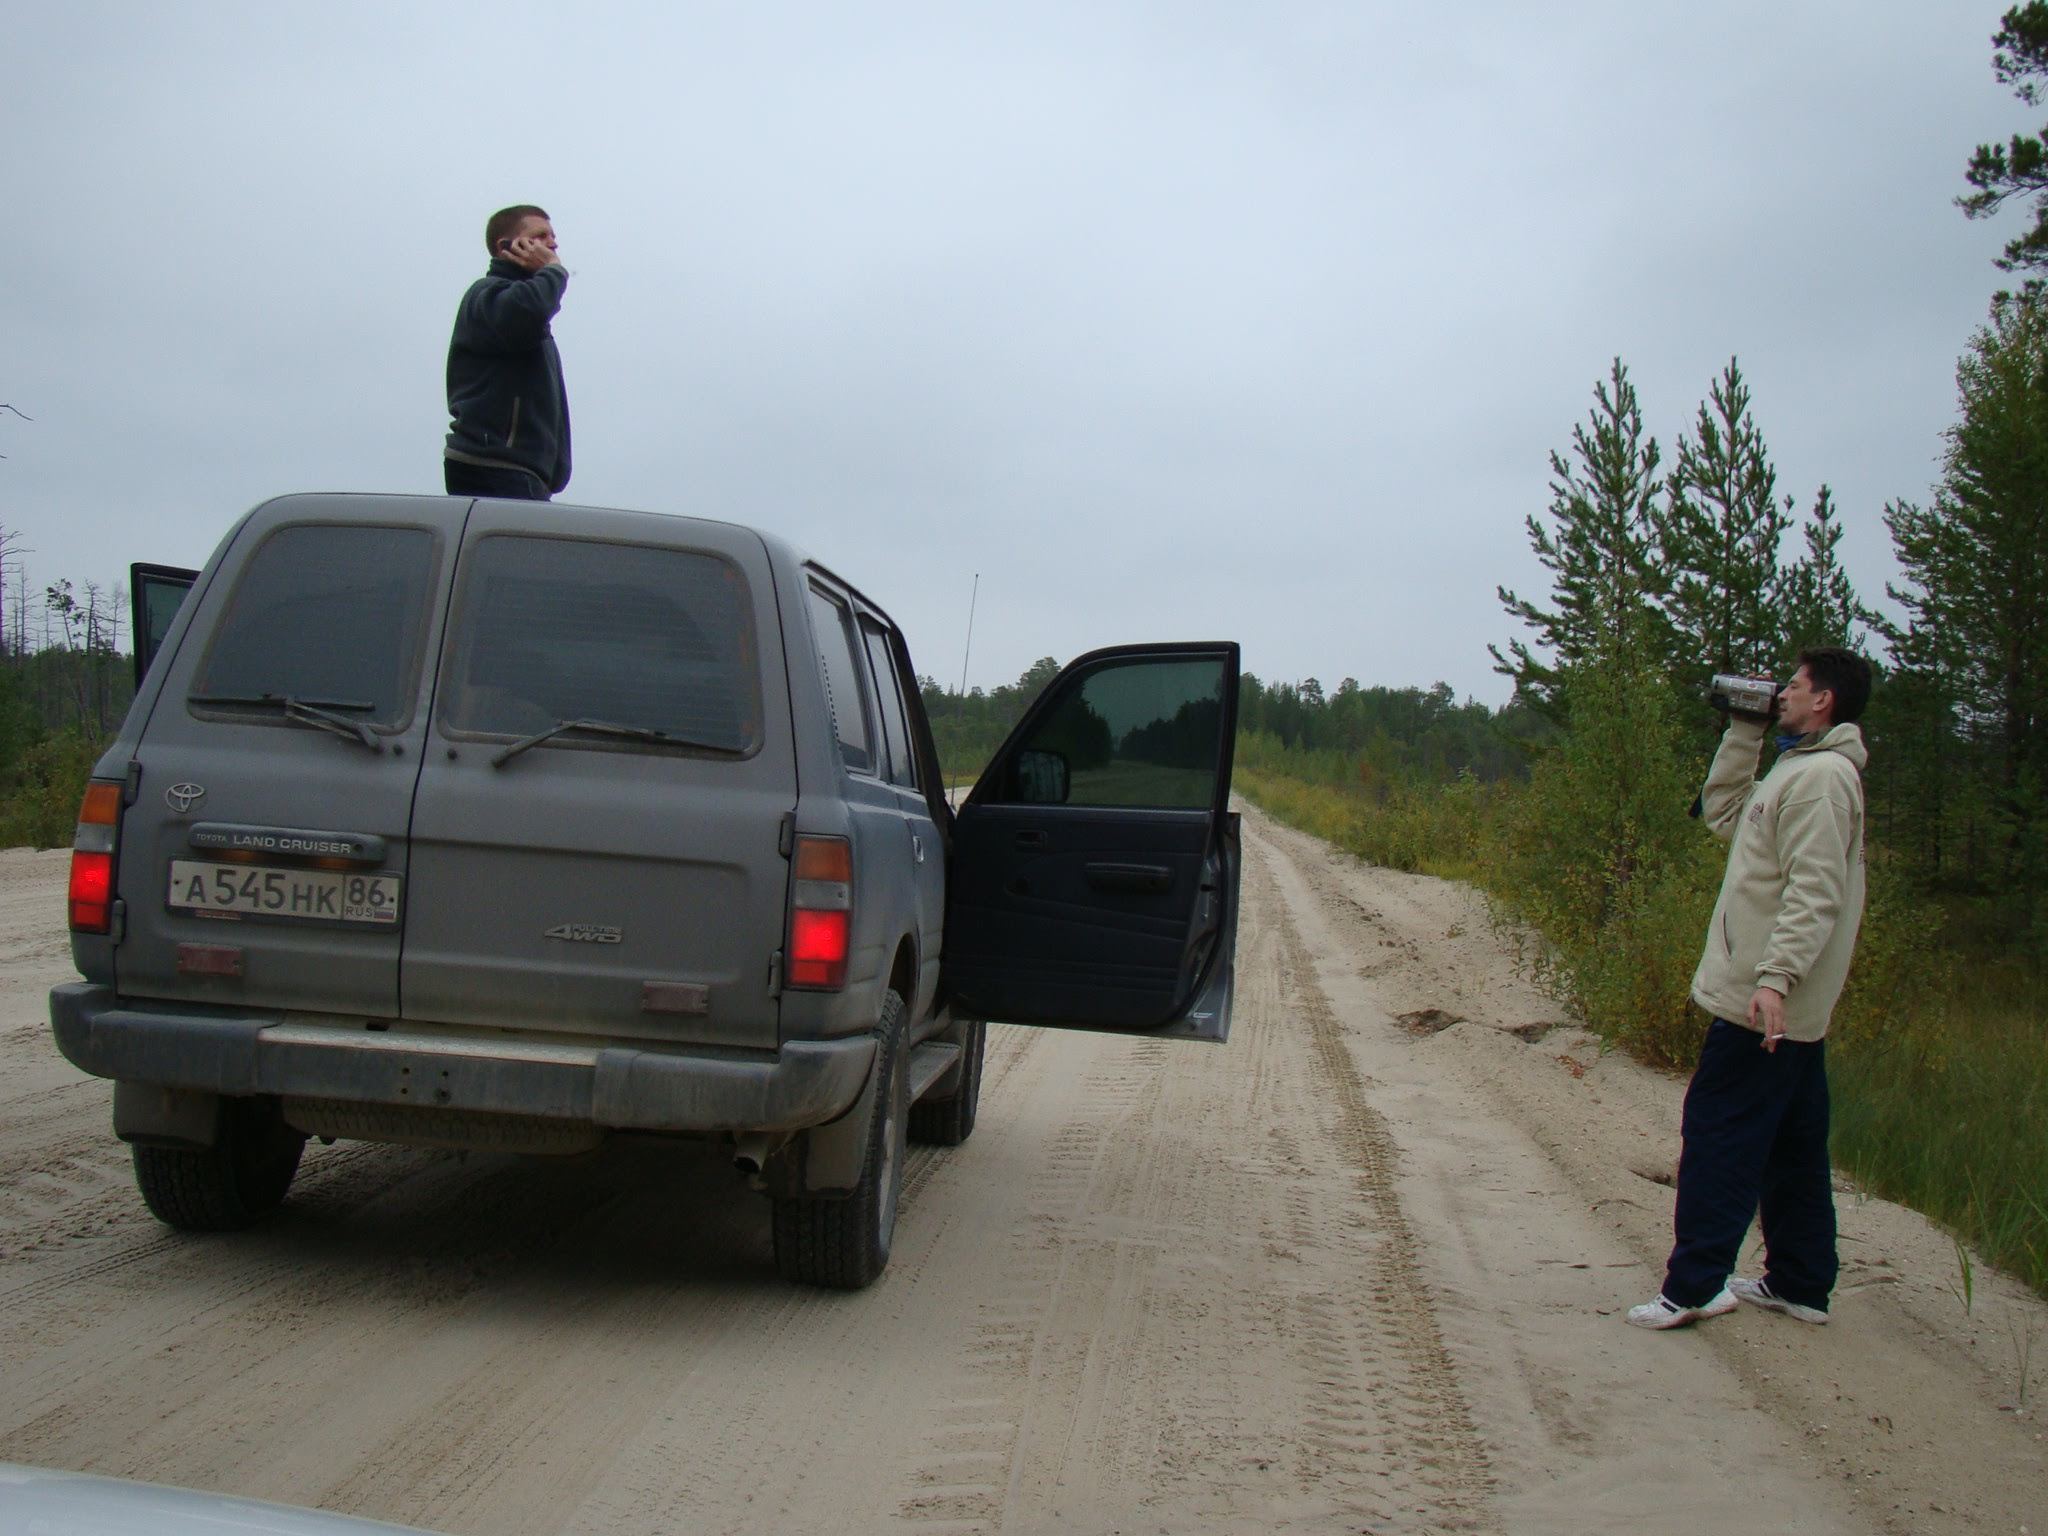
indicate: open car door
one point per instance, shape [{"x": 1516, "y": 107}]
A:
[
  {"x": 1093, "y": 879},
  {"x": 154, "y": 594}
]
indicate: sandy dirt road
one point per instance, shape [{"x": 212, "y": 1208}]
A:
[{"x": 1362, "y": 1269}]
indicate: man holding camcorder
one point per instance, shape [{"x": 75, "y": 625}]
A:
[{"x": 1756, "y": 1114}]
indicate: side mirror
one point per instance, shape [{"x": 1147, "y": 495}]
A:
[{"x": 1041, "y": 778}]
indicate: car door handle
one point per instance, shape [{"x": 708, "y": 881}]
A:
[
  {"x": 1034, "y": 839},
  {"x": 1129, "y": 877},
  {"x": 917, "y": 847}
]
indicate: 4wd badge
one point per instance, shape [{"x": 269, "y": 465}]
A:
[{"x": 585, "y": 933}]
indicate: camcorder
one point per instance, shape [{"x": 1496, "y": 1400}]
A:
[{"x": 1753, "y": 698}]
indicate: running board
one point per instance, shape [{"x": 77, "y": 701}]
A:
[{"x": 931, "y": 1064}]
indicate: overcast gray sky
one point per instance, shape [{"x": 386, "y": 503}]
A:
[{"x": 1171, "y": 320}]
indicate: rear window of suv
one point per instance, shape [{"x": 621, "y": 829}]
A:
[
  {"x": 551, "y": 630},
  {"x": 327, "y": 614}
]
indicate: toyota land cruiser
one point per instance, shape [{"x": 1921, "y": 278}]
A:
[{"x": 518, "y": 826}]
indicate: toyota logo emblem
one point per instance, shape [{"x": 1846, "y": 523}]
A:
[{"x": 182, "y": 797}]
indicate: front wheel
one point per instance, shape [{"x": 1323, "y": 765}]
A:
[
  {"x": 234, "y": 1183},
  {"x": 844, "y": 1244}
]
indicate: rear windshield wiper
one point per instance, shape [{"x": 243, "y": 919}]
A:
[
  {"x": 315, "y": 712},
  {"x": 602, "y": 728}
]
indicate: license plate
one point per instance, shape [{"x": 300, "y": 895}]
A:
[{"x": 317, "y": 895}]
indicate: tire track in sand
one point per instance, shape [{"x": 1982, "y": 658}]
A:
[{"x": 1212, "y": 1309}]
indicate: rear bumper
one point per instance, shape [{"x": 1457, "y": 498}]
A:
[{"x": 806, "y": 1082}]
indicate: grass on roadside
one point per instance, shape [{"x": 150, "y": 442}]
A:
[
  {"x": 1442, "y": 832},
  {"x": 1947, "y": 1111}
]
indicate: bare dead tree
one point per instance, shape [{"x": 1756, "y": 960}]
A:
[
  {"x": 93, "y": 690},
  {"x": 19, "y": 641},
  {"x": 4, "y": 406},
  {"x": 11, "y": 552}
]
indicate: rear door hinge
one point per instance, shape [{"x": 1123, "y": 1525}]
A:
[{"x": 785, "y": 834}]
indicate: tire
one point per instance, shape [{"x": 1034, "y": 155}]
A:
[
  {"x": 949, "y": 1121},
  {"x": 844, "y": 1244},
  {"x": 234, "y": 1183}
]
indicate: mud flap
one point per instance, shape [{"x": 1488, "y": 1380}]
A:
[
  {"x": 825, "y": 1160},
  {"x": 166, "y": 1117}
]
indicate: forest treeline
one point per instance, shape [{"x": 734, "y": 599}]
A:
[
  {"x": 65, "y": 682},
  {"x": 1377, "y": 737}
]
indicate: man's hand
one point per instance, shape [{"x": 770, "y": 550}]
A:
[
  {"x": 1767, "y": 1012},
  {"x": 530, "y": 253}
]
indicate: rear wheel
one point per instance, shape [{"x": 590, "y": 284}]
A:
[
  {"x": 238, "y": 1180},
  {"x": 949, "y": 1121},
  {"x": 844, "y": 1244}
]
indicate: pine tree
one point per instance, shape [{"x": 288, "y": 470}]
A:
[
  {"x": 1600, "y": 546},
  {"x": 1818, "y": 602},
  {"x": 1720, "y": 529},
  {"x": 1923, "y": 787},
  {"x": 1976, "y": 575},
  {"x": 2020, "y": 169}
]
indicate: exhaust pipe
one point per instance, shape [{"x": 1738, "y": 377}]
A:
[{"x": 750, "y": 1152}]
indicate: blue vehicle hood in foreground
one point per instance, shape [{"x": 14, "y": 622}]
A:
[{"x": 36, "y": 1500}]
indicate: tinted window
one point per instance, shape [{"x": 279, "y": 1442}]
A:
[
  {"x": 1128, "y": 733},
  {"x": 157, "y": 593},
  {"x": 566, "y": 629},
  {"x": 895, "y": 728},
  {"x": 328, "y": 615},
  {"x": 842, "y": 680}
]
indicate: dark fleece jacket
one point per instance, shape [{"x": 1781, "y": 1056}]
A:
[{"x": 506, "y": 402}]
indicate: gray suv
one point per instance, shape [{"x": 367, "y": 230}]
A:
[{"x": 517, "y": 826}]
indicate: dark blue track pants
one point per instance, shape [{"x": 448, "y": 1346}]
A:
[
  {"x": 1756, "y": 1141},
  {"x": 491, "y": 480}
]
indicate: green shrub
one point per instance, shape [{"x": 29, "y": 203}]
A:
[
  {"x": 1904, "y": 965},
  {"x": 1631, "y": 980},
  {"x": 39, "y": 804}
]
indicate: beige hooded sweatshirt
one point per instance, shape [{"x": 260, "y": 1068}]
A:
[{"x": 1792, "y": 898}]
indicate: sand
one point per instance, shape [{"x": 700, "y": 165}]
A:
[{"x": 1361, "y": 1269}]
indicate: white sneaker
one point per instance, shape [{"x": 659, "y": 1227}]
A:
[
  {"x": 1665, "y": 1313},
  {"x": 1758, "y": 1294}
]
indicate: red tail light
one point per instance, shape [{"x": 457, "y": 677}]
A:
[
  {"x": 817, "y": 949},
  {"x": 820, "y": 913},
  {"x": 92, "y": 891},
  {"x": 92, "y": 859}
]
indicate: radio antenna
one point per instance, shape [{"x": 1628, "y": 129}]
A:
[{"x": 972, "y": 597}]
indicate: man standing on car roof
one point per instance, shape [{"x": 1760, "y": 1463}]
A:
[
  {"x": 508, "y": 432},
  {"x": 1755, "y": 1128}
]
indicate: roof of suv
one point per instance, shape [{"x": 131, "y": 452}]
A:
[
  {"x": 330, "y": 503},
  {"x": 616, "y": 521}
]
